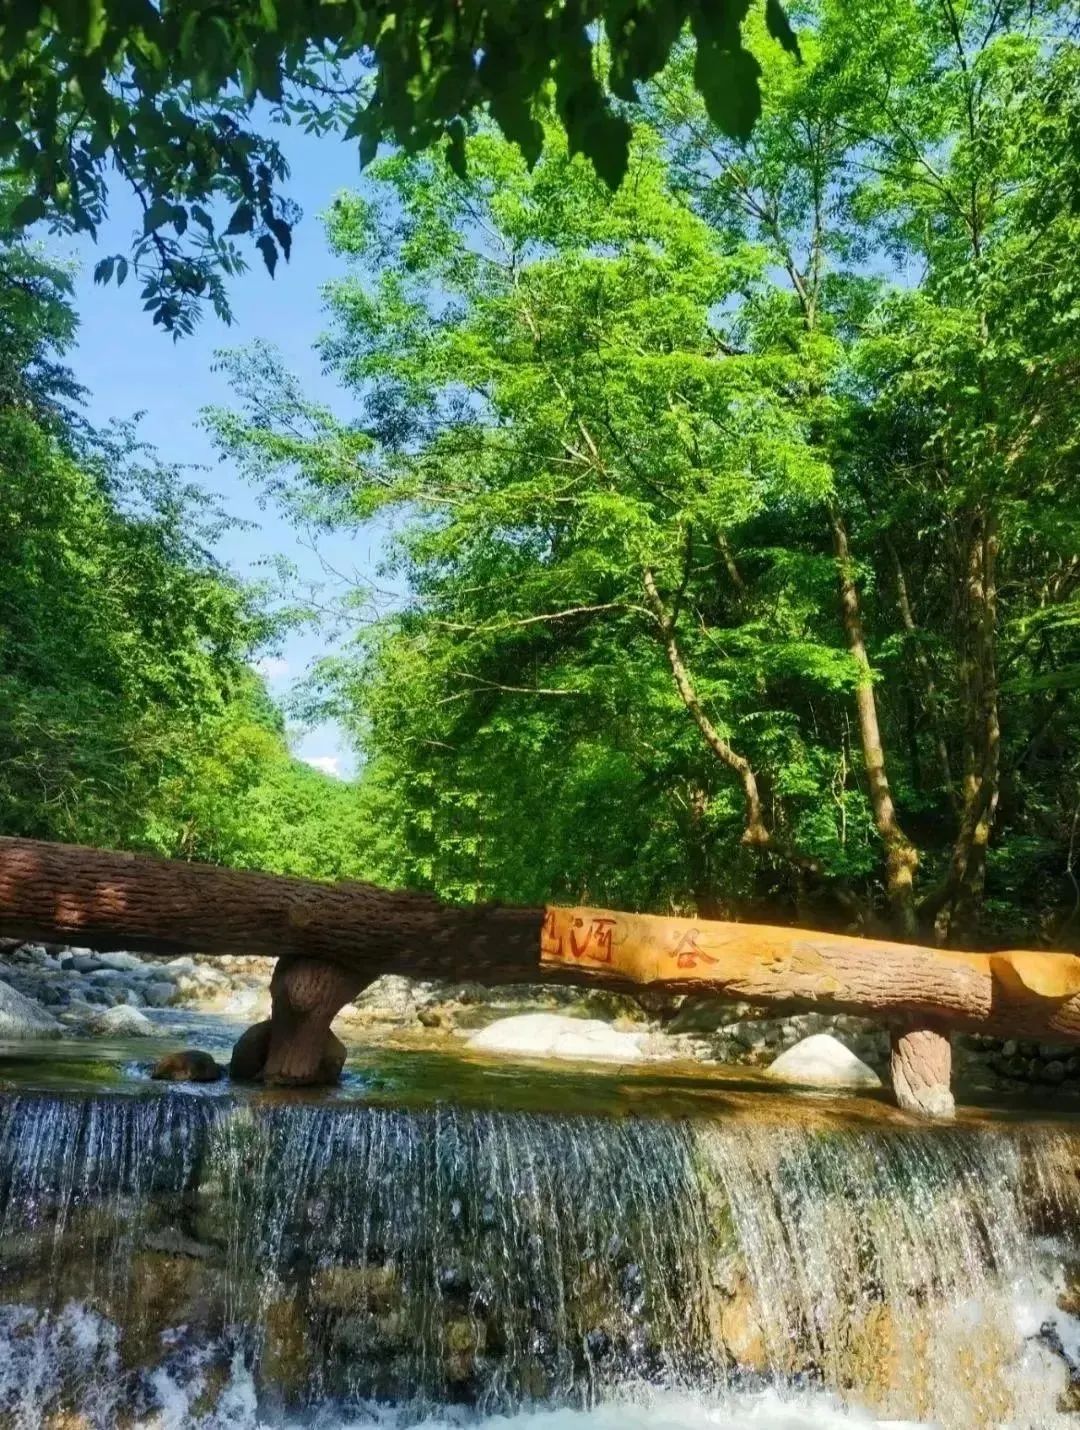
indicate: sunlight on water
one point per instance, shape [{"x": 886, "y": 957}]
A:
[{"x": 174, "y": 1261}]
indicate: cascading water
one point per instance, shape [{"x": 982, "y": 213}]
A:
[{"x": 178, "y": 1260}]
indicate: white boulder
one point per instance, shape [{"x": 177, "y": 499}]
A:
[
  {"x": 158, "y": 993},
  {"x": 122, "y": 962},
  {"x": 556, "y": 1035},
  {"x": 123, "y": 1021},
  {"x": 822, "y": 1061},
  {"x": 22, "y": 1017}
]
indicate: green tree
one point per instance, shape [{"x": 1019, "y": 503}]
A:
[
  {"x": 706, "y": 494},
  {"x": 130, "y": 714},
  {"x": 168, "y": 96},
  {"x": 906, "y": 140},
  {"x": 551, "y": 404}
]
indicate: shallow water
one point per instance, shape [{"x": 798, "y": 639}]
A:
[{"x": 445, "y": 1241}]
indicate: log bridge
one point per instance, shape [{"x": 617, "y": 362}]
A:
[{"x": 331, "y": 940}]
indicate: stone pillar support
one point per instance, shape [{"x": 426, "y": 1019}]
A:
[{"x": 921, "y": 1066}]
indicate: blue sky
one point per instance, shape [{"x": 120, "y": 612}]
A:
[{"x": 128, "y": 366}]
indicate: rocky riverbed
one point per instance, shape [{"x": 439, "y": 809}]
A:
[{"x": 52, "y": 991}]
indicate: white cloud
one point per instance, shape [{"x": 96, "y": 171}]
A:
[
  {"x": 272, "y": 667},
  {"x": 329, "y": 764}
]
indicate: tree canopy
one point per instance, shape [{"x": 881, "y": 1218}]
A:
[
  {"x": 737, "y": 510},
  {"x": 130, "y": 712},
  {"x": 172, "y": 98},
  {"x": 731, "y": 508}
]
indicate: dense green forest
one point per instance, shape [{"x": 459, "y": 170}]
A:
[
  {"x": 735, "y": 510},
  {"x": 130, "y": 714}
]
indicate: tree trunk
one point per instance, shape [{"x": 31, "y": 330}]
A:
[
  {"x": 698, "y": 861},
  {"x": 921, "y": 1068},
  {"x": 332, "y": 939},
  {"x": 99, "y": 899},
  {"x": 930, "y": 691},
  {"x": 983, "y": 765},
  {"x": 954, "y": 906},
  {"x": 756, "y": 832},
  {"x": 299, "y": 1048},
  {"x": 901, "y": 857}
]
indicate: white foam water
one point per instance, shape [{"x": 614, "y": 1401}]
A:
[{"x": 170, "y": 1262}]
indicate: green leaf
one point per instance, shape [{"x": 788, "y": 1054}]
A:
[
  {"x": 268, "y": 249},
  {"x": 28, "y": 210},
  {"x": 728, "y": 80},
  {"x": 160, "y": 212},
  {"x": 243, "y": 219},
  {"x": 779, "y": 26}
]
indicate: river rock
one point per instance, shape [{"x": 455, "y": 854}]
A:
[
  {"x": 158, "y": 993},
  {"x": 190, "y": 1065},
  {"x": 122, "y": 962},
  {"x": 123, "y": 1022},
  {"x": 554, "y": 1035},
  {"x": 822, "y": 1061},
  {"x": 81, "y": 963},
  {"x": 390, "y": 998},
  {"x": 22, "y": 1017},
  {"x": 703, "y": 1015}
]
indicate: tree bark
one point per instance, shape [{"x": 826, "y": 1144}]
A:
[
  {"x": 901, "y": 857},
  {"x": 1017, "y": 993},
  {"x": 921, "y": 1068},
  {"x": 954, "y": 905},
  {"x": 331, "y": 939},
  {"x": 99, "y": 899}
]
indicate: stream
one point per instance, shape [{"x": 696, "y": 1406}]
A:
[{"x": 443, "y": 1241}]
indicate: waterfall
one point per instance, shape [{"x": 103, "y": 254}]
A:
[{"x": 184, "y": 1260}]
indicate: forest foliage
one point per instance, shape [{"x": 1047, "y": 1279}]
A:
[
  {"x": 736, "y": 510},
  {"x": 130, "y": 711},
  {"x": 177, "y": 102},
  {"x": 730, "y": 510}
]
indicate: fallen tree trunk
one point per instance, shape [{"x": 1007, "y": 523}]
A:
[
  {"x": 332, "y": 939},
  {"x": 99, "y": 899}
]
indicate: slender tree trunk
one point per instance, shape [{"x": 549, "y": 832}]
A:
[
  {"x": 727, "y": 556},
  {"x": 922, "y": 664},
  {"x": 756, "y": 831},
  {"x": 982, "y": 775},
  {"x": 699, "y": 863},
  {"x": 954, "y": 906},
  {"x": 901, "y": 857}
]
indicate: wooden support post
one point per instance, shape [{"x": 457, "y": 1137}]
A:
[
  {"x": 921, "y": 1067},
  {"x": 294, "y": 1047}
]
